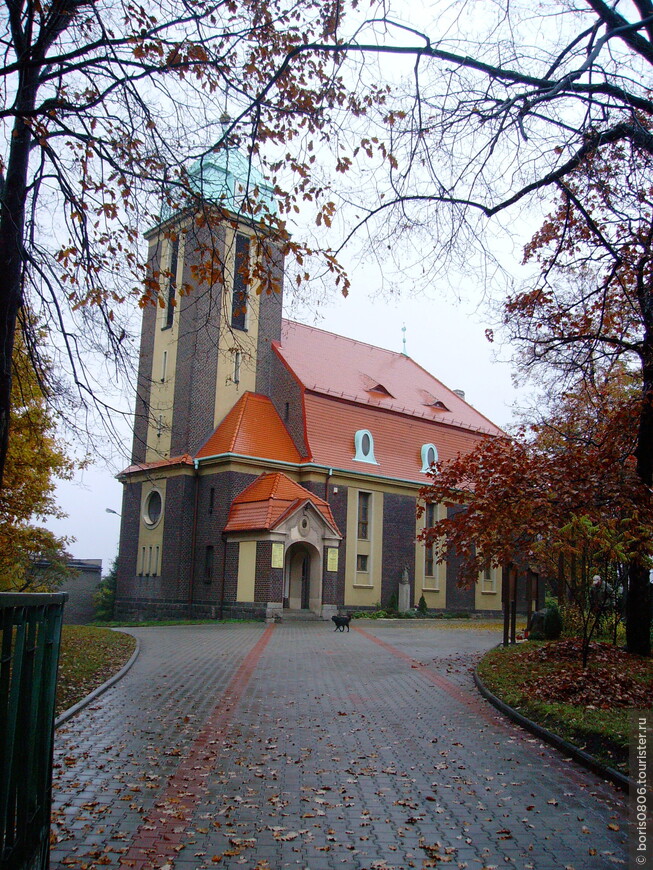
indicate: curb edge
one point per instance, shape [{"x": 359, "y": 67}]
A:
[
  {"x": 72, "y": 711},
  {"x": 578, "y": 755}
]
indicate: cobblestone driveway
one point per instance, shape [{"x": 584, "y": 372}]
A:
[{"x": 235, "y": 746}]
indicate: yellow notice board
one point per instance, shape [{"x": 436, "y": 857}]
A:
[
  {"x": 332, "y": 559},
  {"x": 277, "y": 555}
]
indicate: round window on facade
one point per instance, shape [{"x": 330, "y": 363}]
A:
[{"x": 153, "y": 508}]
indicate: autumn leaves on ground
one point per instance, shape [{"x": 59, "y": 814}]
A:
[
  {"x": 89, "y": 657},
  {"x": 544, "y": 680},
  {"x": 589, "y": 707}
]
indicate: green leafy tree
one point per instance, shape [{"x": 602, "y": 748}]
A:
[{"x": 105, "y": 595}]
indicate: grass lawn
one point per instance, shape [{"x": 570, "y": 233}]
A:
[
  {"x": 89, "y": 657},
  {"x": 545, "y": 682}
]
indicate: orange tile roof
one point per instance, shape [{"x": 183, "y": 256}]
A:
[
  {"x": 252, "y": 428},
  {"x": 269, "y": 500},
  {"x": 333, "y": 365}
]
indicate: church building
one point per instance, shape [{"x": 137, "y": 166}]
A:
[{"x": 276, "y": 467}]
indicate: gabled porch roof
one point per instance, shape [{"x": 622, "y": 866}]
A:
[{"x": 272, "y": 498}]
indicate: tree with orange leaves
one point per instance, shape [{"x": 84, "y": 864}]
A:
[{"x": 565, "y": 489}]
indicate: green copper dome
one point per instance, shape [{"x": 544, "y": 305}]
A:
[{"x": 228, "y": 178}]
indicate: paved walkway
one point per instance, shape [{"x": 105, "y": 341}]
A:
[{"x": 249, "y": 746}]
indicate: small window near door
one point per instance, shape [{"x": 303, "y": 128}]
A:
[
  {"x": 488, "y": 579},
  {"x": 362, "y": 563}
]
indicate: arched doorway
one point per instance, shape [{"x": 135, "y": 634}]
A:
[{"x": 302, "y": 578}]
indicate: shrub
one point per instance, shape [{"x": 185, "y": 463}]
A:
[
  {"x": 552, "y": 622},
  {"x": 421, "y": 605},
  {"x": 105, "y": 595},
  {"x": 393, "y": 603}
]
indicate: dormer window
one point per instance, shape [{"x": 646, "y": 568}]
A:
[
  {"x": 380, "y": 390},
  {"x": 429, "y": 456},
  {"x": 364, "y": 444}
]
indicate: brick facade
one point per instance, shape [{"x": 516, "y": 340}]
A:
[
  {"x": 334, "y": 589},
  {"x": 287, "y": 398},
  {"x": 199, "y": 568},
  {"x": 398, "y": 543},
  {"x": 269, "y": 580},
  {"x": 200, "y": 322}
]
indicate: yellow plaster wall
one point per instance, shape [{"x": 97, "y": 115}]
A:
[
  {"x": 364, "y": 590},
  {"x": 488, "y": 600},
  {"x": 165, "y": 340},
  {"x": 151, "y": 536},
  {"x": 227, "y": 392},
  {"x": 246, "y": 571}
]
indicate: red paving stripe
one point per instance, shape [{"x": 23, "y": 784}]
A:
[
  {"x": 476, "y": 705},
  {"x": 159, "y": 836},
  {"x": 481, "y": 708}
]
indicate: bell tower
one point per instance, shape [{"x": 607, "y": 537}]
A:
[{"x": 218, "y": 281}]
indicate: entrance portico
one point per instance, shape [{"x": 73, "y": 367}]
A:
[{"x": 277, "y": 515}]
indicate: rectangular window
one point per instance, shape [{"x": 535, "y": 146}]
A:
[
  {"x": 429, "y": 561},
  {"x": 241, "y": 283},
  {"x": 211, "y": 499},
  {"x": 488, "y": 582},
  {"x": 208, "y": 564},
  {"x": 142, "y": 571},
  {"x": 155, "y": 569},
  {"x": 364, "y": 516},
  {"x": 149, "y": 561},
  {"x": 362, "y": 563},
  {"x": 171, "y": 293},
  {"x": 237, "y": 360},
  {"x": 164, "y": 366}
]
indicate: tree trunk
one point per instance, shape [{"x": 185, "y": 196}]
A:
[
  {"x": 12, "y": 228},
  {"x": 638, "y": 602},
  {"x": 638, "y": 611}
]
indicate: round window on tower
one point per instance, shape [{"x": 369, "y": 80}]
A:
[{"x": 153, "y": 508}]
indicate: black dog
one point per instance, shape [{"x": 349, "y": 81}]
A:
[{"x": 341, "y": 622}]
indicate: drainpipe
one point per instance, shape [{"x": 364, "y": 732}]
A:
[
  {"x": 326, "y": 484},
  {"x": 193, "y": 545}
]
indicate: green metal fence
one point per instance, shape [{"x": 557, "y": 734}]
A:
[{"x": 31, "y": 637}]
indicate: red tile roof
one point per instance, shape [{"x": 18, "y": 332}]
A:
[
  {"x": 349, "y": 386},
  {"x": 252, "y": 428},
  {"x": 398, "y": 439},
  {"x": 269, "y": 500},
  {"x": 335, "y": 366}
]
